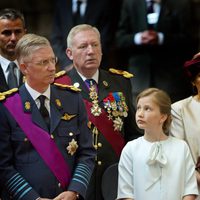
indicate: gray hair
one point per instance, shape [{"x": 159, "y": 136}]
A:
[
  {"x": 28, "y": 44},
  {"x": 12, "y": 14},
  {"x": 79, "y": 28}
]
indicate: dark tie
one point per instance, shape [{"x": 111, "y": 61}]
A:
[
  {"x": 150, "y": 8},
  {"x": 77, "y": 15},
  {"x": 12, "y": 78},
  {"x": 91, "y": 83},
  {"x": 43, "y": 110}
]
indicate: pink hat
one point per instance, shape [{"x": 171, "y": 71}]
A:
[{"x": 192, "y": 67}]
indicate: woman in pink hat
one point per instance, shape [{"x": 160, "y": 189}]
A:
[{"x": 186, "y": 114}]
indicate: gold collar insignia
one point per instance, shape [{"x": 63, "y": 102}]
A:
[
  {"x": 27, "y": 106},
  {"x": 58, "y": 102}
]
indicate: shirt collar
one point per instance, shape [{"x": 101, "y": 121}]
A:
[
  {"x": 5, "y": 62},
  {"x": 35, "y": 94},
  {"x": 95, "y": 76}
]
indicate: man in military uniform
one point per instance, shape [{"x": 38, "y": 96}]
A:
[
  {"x": 108, "y": 100},
  {"x": 46, "y": 147}
]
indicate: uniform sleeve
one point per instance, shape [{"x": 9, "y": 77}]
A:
[
  {"x": 125, "y": 174},
  {"x": 85, "y": 155},
  {"x": 10, "y": 179}
]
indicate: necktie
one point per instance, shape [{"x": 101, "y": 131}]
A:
[
  {"x": 150, "y": 14},
  {"x": 93, "y": 94},
  {"x": 91, "y": 83},
  {"x": 43, "y": 110},
  {"x": 150, "y": 8},
  {"x": 12, "y": 78},
  {"x": 77, "y": 16}
]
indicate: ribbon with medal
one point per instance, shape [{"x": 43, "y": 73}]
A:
[
  {"x": 116, "y": 108},
  {"x": 95, "y": 109}
]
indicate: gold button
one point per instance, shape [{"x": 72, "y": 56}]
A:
[
  {"x": 99, "y": 162},
  {"x": 59, "y": 185},
  {"x": 25, "y": 139},
  {"x": 71, "y": 134},
  {"x": 99, "y": 144},
  {"x": 52, "y": 137}
]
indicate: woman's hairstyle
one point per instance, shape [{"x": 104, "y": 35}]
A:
[{"x": 162, "y": 99}]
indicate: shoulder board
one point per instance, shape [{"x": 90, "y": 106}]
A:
[
  {"x": 4, "y": 95},
  {"x": 60, "y": 73},
  {"x": 71, "y": 87},
  {"x": 121, "y": 72}
]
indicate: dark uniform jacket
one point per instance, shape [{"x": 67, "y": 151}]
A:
[
  {"x": 106, "y": 156},
  {"x": 23, "y": 173}
]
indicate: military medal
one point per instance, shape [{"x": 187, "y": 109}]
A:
[
  {"x": 72, "y": 147},
  {"x": 95, "y": 109},
  {"x": 116, "y": 108}
]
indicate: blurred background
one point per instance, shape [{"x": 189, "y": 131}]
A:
[{"x": 39, "y": 15}]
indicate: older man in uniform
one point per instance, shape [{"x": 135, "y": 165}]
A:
[{"x": 109, "y": 104}]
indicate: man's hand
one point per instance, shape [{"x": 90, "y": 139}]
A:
[
  {"x": 149, "y": 37},
  {"x": 68, "y": 195}
]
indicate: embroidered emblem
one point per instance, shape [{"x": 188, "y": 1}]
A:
[
  {"x": 58, "y": 102},
  {"x": 3, "y": 95},
  {"x": 67, "y": 117},
  {"x": 70, "y": 87},
  {"x": 27, "y": 105},
  {"x": 105, "y": 83},
  {"x": 60, "y": 73},
  {"x": 72, "y": 147},
  {"x": 121, "y": 72}
]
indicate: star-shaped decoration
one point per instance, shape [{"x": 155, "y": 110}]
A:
[{"x": 72, "y": 147}]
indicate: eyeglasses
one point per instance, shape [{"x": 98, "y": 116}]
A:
[{"x": 47, "y": 61}]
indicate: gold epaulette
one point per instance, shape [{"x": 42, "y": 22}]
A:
[
  {"x": 60, "y": 73},
  {"x": 70, "y": 87},
  {"x": 121, "y": 72},
  {"x": 7, "y": 93}
]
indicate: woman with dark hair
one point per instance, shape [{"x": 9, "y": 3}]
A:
[{"x": 185, "y": 114}]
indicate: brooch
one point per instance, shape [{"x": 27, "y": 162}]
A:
[{"x": 72, "y": 147}]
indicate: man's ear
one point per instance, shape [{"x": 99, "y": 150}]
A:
[
  {"x": 23, "y": 68},
  {"x": 69, "y": 53}
]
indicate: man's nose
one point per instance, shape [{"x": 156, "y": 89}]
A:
[{"x": 13, "y": 36}]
